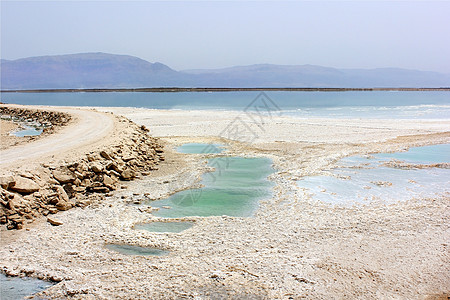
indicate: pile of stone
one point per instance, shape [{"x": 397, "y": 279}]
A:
[
  {"x": 48, "y": 119},
  {"x": 51, "y": 188}
]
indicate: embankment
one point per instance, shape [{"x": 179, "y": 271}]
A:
[{"x": 49, "y": 187}]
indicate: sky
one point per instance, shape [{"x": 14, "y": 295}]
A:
[{"x": 215, "y": 34}]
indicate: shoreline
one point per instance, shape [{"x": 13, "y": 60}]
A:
[
  {"x": 213, "y": 89},
  {"x": 291, "y": 247}
]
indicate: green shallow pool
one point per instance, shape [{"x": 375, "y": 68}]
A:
[
  {"x": 164, "y": 226},
  {"x": 233, "y": 189},
  {"x": 197, "y": 148},
  {"x": 136, "y": 250}
]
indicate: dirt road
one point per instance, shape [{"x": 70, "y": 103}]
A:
[{"x": 87, "y": 128}]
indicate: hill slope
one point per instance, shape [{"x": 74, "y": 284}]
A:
[
  {"x": 101, "y": 70},
  {"x": 85, "y": 70}
]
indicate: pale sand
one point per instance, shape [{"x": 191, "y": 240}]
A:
[
  {"x": 6, "y": 138},
  {"x": 292, "y": 248}
]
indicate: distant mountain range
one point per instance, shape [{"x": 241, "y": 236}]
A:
[{"x": 101, "y": 70}]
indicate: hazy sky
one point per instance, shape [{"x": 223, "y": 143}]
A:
[{"x": 188, "y": 34}]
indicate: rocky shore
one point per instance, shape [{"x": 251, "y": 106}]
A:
[
  {"x": 48, "y": 119},
  {"x": 49, "y": 188}
]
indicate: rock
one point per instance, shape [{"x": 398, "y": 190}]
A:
[
  {"x": 127, "y": 174},
  {"x": 128, "y": 158},
  {"x": 68, "y": 188},
  {"x": 114, "y": 173},
  {"x": 96, "y": 167},
  {"x": 27, "y": 175},
  {"x": 100, "y": 189},
  {"x": 24, "y": 185},
  {"x": 54, "y": 221},
  {"x": 83, "y": 203},
  {"x": 78, "y": 175},
  {"x": 7, "y": 181},
  {"x": 114, "y": 167},
  {"x": 63, "y": 175},
  {"x": 86, "y": 182},
  {"x": 92, "y": 157},
  {"x": 17, "y": 203},
  {"x": 63, "y": 205},
  {"x": 79, "y": 189},
  {"x": 62, "y": 193},
  {"x": 52, "y": 210},
  {"x": 105, "y": 155},
  {"x": 82, "y": 168},
  {"x": 108, "y": 182}
]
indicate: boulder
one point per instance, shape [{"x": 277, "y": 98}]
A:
[
  {"x": 63, "y": 175},
  {"x": 105, "y": 155},
  {"x": 129, "y": 157},
  {"x": 108, "y": 182},
  {"x": 113, "y": 166},
  {"x": 79, "y": 189},
  {"x": 86, "y": 182},
  {"x": 54, "y": 221},
  {"x": 62, "y": 193},
  {"x": 92, "y": 157},
  {"x": 7, "y": 181},
  {"x": 68, "y": 188},
  {"x": 100, "y": 189},
  {"x": 17, "y": 203},
  {"x": 27, "y": 175},
  {"x": 24, "y": 185},
  {"x": 63, "y": 205},
  {"x": 96, "y": 167},
  {"x": 127, "y": 174}
]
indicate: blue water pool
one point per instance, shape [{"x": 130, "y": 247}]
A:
[
  {"x": 361, "y": 179},
  {"x": 12, "y": 288}
]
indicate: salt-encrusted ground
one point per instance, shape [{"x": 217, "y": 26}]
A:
[{"x": 292, "y": 248}]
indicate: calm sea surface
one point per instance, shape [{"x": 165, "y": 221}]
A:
[{"x": 429, "y": 105}]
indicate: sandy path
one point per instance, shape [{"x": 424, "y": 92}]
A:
[{"x": 87, "y": 128}]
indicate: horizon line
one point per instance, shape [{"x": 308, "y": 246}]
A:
[{"x": 229, "y": 89}]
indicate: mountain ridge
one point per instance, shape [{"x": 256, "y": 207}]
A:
[{"x": 104, "y": 70}]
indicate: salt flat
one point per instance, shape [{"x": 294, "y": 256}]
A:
[{"x": 293, "y": 247}]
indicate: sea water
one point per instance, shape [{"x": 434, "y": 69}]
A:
[
  {"x": 12, "y": 288},
  {"x": 234, "y": 188},
  {"x": 349, "y": 104},
  {"x": 362, "y": 179}
]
